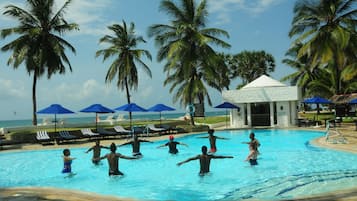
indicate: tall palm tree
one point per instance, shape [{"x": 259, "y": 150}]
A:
[
  {"x": 327, "y": 29},
  {"x": 249, "y": 65},
  {"x": 185, "y": 45},
  {"x": 39, "y": 44},
  {"x": 122, "y": 47}
]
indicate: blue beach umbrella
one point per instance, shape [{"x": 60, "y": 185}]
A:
[
  {"x": 97, "y": 108},
  {"x": 317, "y": 100},
  {"x": 55, "y": 109},
  {"x": 160, "y": 108},
  {"x": 354, "y": 101},
  {"x": 131, "y": 107},
  {"x": 227, "y": 106}
]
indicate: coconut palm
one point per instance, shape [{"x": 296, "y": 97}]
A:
[
  {"x": 327, "y": 30},
  {"x": 122, "y": 47},
  {"x": 249, "y": 65},
  {"x": 185, "y": 44},
  {"x": 39, "y": 44}
]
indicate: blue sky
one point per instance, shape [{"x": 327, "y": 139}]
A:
[{"x": 251, "y": 24}]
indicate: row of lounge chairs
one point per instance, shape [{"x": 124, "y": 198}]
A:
[{"x": 86, "y": 133}]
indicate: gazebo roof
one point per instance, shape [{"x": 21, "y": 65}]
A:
[
  {"x": 264, "y": 81},
  {"x": 263, "y": 89}
]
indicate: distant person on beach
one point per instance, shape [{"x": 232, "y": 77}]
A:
[
  {"x": 67, "y": 162},
  {"x": 113, "y": 160},
  {"x": 205, "y": 160},
  {"x": 135, "y": 143},
  {"x": 172, "y": 145},
  {"x": 96, "y": 151},
  {"x": 212, "y": 140},
  {"x": 253, "y": 149}
]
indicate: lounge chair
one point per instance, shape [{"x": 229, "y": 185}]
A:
[
  {"x": 88, "y": 133},
  {"x": 109, "y": 120},
  {"x": 121, "y": 130},
  {"x": 150, "y": 128},
  {"x": 104, "y": 132},
  {"x": 65, "y": 136},
  {"x": 42, "y": 137}
]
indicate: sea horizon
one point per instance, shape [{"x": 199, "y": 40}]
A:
[{"x": 91, "y": 118}]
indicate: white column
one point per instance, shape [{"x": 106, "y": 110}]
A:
[
  {"x": 271, "y": 104},
  {"x": 249, "y": 115}
]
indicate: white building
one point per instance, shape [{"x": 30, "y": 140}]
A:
[{"x": 264, "y": 102}]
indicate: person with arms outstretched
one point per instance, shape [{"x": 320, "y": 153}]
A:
[
  {"x": 212, "y": 140},
  {"x": 205, "y": 160},
  {"x": 113, "y": 160},
  {"x": 172, "y": 145},
  {"x": 135, "y": 143},
  {"x": 96, "y": 151}
]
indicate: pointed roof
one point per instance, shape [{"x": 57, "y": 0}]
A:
[{"x": 263, "y": 81}]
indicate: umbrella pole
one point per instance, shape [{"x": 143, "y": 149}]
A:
[
  {"x": 96, "y": 121},
  {"x": 55, "y": 122},
  {"x": 226, "y": 118},
  {"x": 160, "y": 119}
]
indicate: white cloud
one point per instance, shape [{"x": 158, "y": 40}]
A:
[
  {"x": 12, "y": 89},
  {"x": 223, "y": 8}
]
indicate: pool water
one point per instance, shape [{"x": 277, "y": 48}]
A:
[{"x": 288, "y": 167}]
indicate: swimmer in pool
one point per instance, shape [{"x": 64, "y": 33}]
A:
[
  {"x": 113, "y": 160},
  {"x": 135, "y": 143},
  {"x": 172, "y": 145},
  {"x": 253, "y": 149},
  {"x": 205, "y": 160},
  {"x": 212, "y": 140},
  {"x": 67, "y": 162},
  {"x": 96, "y": 151}
]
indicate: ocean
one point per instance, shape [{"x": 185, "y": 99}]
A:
[{"x": 91, "y": 118}]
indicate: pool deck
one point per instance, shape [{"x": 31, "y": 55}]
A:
[{"x": 55, "y": 194}]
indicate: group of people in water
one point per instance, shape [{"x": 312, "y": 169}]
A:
[{"x": 204, "y": 158}]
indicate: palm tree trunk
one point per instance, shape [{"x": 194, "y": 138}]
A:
[
  {"x": 128, "y": 97},
  {"x": 34, "y": 102}
]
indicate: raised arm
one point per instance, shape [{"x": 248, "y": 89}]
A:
[
  {"x": 188, "y": 160},
  {"x": 214, "y": 156},
  {"x": 90, "y": 149},
  {"x": 163, "y": 145},
  {"x": 126, "y": 143},
  {"x": 145, "y": 141},
  {"x": 183, "y": 144},
  {"x": 104, "y": 147},
  {"x": 126, "y": 157},
  {"x": 222, "y": 138}
]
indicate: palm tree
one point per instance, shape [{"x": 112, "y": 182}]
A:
[
  {"x": 38, "y": 45},
  {"x": 327, "y": 29},
  {"x": 185, "y": 45},
  {"x": 249, "y": 65},
  {"x": 126, "y": 57}
]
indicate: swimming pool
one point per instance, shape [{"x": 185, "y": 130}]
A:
[{"x": 288, "y": 167}]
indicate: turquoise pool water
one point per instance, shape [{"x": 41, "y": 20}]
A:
[{"x": 288, "y": 167}]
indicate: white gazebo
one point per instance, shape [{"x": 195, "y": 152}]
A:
[{"x": 264, "y": 102}]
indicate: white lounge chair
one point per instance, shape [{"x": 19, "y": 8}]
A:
[
  {"x": 88, "y": 132},
  {"x": 43, "y": 137},
  {"x": 120, "y": 129},
  {"x": 155, "y": 129}
]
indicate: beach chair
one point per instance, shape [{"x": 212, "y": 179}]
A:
[
  {"x": 105, "y": 132},
  {"x": 150, "y": 128},
  {"x": 42, "y": 137},
  {"x": 65, "y": 136},
  {"x": 121, "y": 130},
  {"x": 89, "y": 133}
]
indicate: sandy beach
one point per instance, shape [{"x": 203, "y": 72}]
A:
[{"x": 54, "y": 194}]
